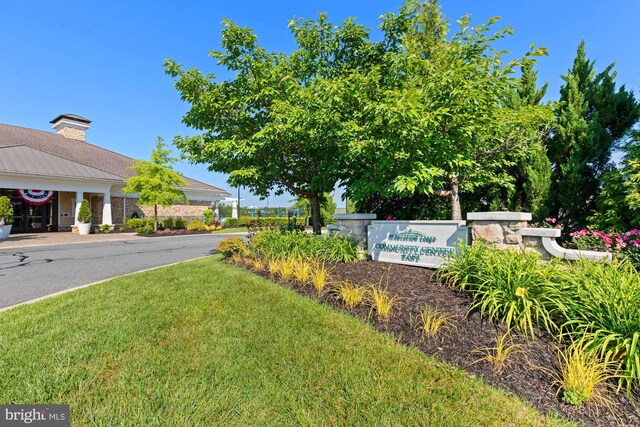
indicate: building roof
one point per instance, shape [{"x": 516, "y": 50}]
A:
[
  {"x": 72, "y": 117},
  {"x": 21, "y": 159},
  {"x": 105, "y": 162}
]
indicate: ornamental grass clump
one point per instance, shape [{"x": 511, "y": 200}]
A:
[
  {"x": 351, "y": 294},
  {"x": 382, "y": 302},
  {"x": 499, "y": 356},
  {"x": 258, "y": 264},
  {"x": 286, "y": 269},
  {"x": 431, "y": 320},
  {"x": 273, "y": 265},
  {"x": 302, "y": 272},
  {"x": 603, "y": 312},
  {"x": 238, "y": 258},
  {"x": 320, "y": 277},
  {"x": 582, "y": 377},
  {"x": 511, "y": 286}
]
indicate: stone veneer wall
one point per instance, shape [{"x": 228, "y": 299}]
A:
[
  {"x": 117, "y": 205},
  {"x": 510, "y": 230},
  {"x": 504, "y": 230},
  {"x": 355, "y": 225},
  {"x": 500, "y": 228},
  {"x": 72, "y": 133},
  {"x": 192, "y": 210},
  {"x": 96, "y": 202}
]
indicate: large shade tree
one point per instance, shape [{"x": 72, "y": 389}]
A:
[
  {"x": 155, "y": 182},
  {"x": 439, "y": 121},
  {"x": 281, "y": 122}
]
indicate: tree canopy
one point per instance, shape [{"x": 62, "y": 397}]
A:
[
  {"x": 284, "y": 121},
  {"x": 592, "y": 117},
  {"x": 422, "y": 114},
  {"x": 439, "y": 121},
  {"x": 156, "y": 182}
]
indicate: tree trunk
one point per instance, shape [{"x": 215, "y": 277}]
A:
[
  {"x": 315, "y": 213},
  {"x": 155, "y": 218},
  {"x": 454, "y": 197}
]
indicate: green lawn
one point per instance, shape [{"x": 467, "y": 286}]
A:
[{"x": 203, "y": 343}]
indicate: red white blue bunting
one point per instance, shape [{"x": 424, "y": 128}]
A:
[{"x": 36, "y": 197}]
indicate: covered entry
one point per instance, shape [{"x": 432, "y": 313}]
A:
[{"x": 33, "y": 212}]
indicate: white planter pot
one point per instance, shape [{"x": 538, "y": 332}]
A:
[
  {"x": 84, "y": 228},
  {"x": 4, "y": 231}
]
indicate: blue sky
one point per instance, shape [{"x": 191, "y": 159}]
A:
[{"x": 103, "y": 60}]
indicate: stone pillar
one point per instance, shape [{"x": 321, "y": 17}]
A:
[
  {"x": 106, "y": 208},
  {"x": 355, "y": 225},
  {"x": 499, "y": 228},
  {"x": 79, "y": 196}
]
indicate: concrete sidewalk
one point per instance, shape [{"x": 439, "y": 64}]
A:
[{"x": 60, "y": 238}]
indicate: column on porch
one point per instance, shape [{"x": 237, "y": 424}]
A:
[
  {"x": 79, "y": 196},
  {"x": 106, "y": 208}
]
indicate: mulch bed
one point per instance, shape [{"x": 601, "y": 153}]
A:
[{"x": 524, "y": 375}]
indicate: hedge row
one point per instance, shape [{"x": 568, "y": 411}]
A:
[{"x": 247, "y": 221}]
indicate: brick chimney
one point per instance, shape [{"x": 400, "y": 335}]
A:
[{"x": 71, "y": 126}]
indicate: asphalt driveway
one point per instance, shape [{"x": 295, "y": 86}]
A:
[{"x": 27, "y": 273}]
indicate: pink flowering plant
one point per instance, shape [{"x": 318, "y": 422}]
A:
[
  {"x": 551, "y": 223},
  {"x": 621, "y": 245}
]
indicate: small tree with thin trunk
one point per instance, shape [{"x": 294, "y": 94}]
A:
[{"x": 156, "y": 182}]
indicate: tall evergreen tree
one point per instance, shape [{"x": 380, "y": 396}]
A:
[
  {"x": 618, "y": 204},
  {"x": 591, "y": 118},
  {"x": 532, "y": 172}
]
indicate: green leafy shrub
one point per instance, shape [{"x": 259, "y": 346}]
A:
[
  {"x": 292, "y": 225},
  {"x": 84, "y": 215},
  {"x": 603, "y": 312},
  {"x": 276, "y": 244},
  {"x": 508, "y": 285},
  {"x": 230, "y": 222},
  {"x": 232, "y": 246},
  {"x": 261, "y": 224},
  {"x": 464, "y": 268},
  {"x": 169, "y": 222},
  {"x": 181, "y": 224},
  {"x": 6, "y": 210},
  {"x": 196, "y": 225},
  {"x": 594, "y": 303},
  {"x": 209, "y": 216},
  {"x": 264, "y": 222},
  {"x": 105, "y": 228},
  {"x": 140, "y": 225}
]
